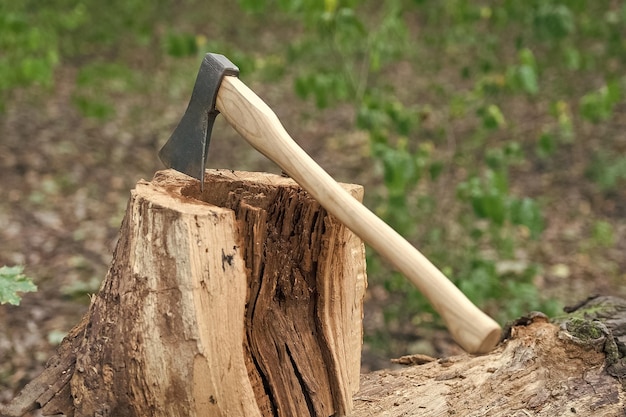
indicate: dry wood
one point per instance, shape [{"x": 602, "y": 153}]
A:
[
  {"x": 242, "y": 300},
  {"x": 543, "y": 369}
]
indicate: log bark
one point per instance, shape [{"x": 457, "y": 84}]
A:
[
  {"x": 244, "y": 299},
  {"x": 571, "y": 366}
]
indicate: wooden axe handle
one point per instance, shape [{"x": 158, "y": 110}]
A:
[{"x": 258, "y": 124}]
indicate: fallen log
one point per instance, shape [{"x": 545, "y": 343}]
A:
[{"x": 571, "y": 366}]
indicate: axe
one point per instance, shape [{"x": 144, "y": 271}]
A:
[{"x": 219, "y": 90}]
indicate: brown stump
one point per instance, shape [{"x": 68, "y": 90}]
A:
[{"x": 243, "y": 299}]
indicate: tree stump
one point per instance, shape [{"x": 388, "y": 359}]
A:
[{"x": 242, "y": 299}]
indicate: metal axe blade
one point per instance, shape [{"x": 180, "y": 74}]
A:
[{"x": 188, "y": 147}]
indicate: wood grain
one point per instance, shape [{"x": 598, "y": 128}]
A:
[{"x": 539, "y": 371}]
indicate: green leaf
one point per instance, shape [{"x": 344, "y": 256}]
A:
[
  {"x": 528, "y": 79},
  {"x": 253, "y": 6},
  {"x": 12, "y": 282},
  {"x": 603, "y": 234},
  {"x": 94, "y": 107},
  {"x": 546, "y": 145},
  {"x": 527, "y": 58},
  {"x": 180, "y": 44},
  {"x": 597, "y": 106},
  {"x": 479, "y": 282},
  {"x": 399, "y": 168},
  {"x": 524, "y": 76},
  {"x": 608, "y": 171},
  {"x": 490, "y": 206},
  {"x": 435, "y": 169},
  {"x": 492, "y": 117},
  {"x": 526, "y": 212},
  {"x": 494, "y": 157},
  {"x": 554, "y": 21},
  {"x": 304, "y": 86},
  {"x": 573, "y": 59}
]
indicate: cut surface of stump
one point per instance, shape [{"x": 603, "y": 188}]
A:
[{"x": 244, "y": 298}]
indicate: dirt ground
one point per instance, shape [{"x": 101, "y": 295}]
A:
[{"x": 65, "y": 184}]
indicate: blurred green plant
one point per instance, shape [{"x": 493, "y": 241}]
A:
[
  {"x": 181, "y": 44},
  {"x": 597, "y": 106},
  {"x": 607, "y": 171},
  {"x": 12, "y": 283},
  {"x": 30, "y": 52},
  {"x": 497, "y": 267},
  {"x": 97, "y": 84},
  {"x": 36, "y": 38},
  {"x": 603, "y": 234},
  {"x": 523, "y": 76}
]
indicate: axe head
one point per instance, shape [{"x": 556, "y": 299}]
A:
[{"x": 187, "y": 149}]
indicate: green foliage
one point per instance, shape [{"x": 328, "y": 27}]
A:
[
  {"x": 324, "y": 88},
  {"x": 597, "y": 106},
  {"x": 603, "y": 234},
  {"x": 36, "y": 38},
  {"x": 12, "y": 282},
  {"x": 488, "y": 277},
  {"x": 402, "y": 169},
  {"x": 97, "y": 84},
  {"x": 553, "y": 21},
  {"x": 180, "y": 44},
  {"x": 608, "y": 171},
  {"x": 489, "y": 194},
  {"x": 523, "y": 76},
  {"x": 491, "y": 116},
  {"x": 30, "y": 52},
  {"x": 485, "y": 281},
  {"x": 563, "y": 131}
]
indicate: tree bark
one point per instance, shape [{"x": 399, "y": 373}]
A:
[{"x": 242, "y": 299}]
